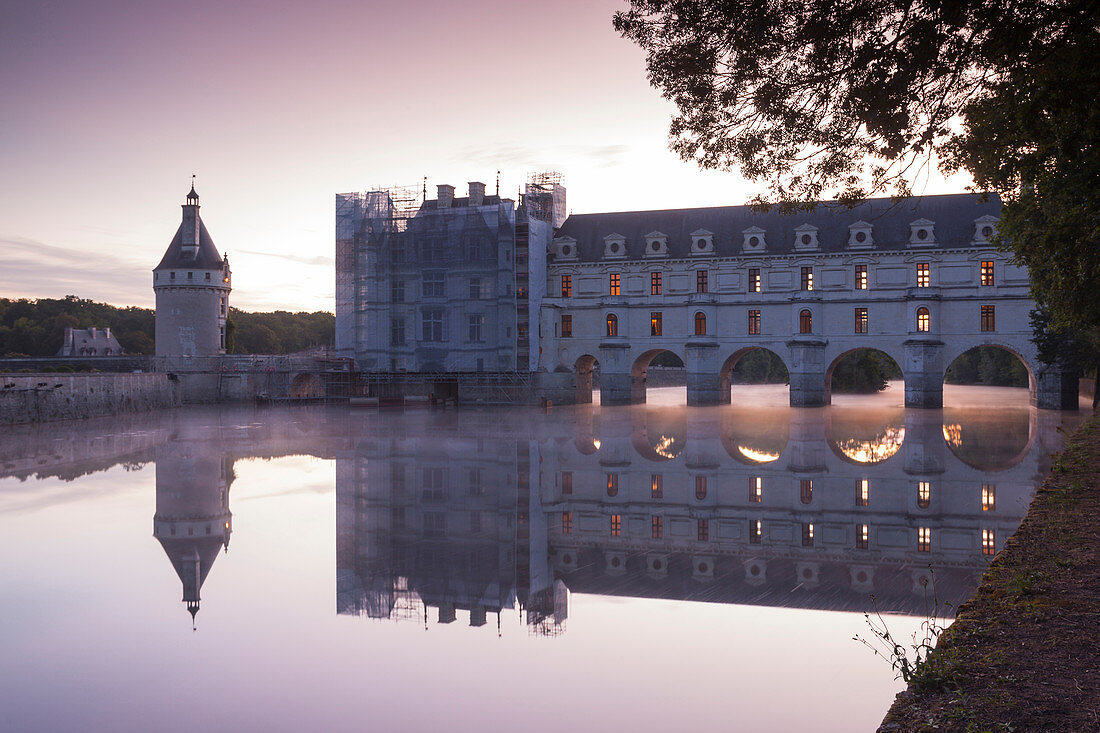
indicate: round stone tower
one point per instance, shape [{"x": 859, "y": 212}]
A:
[{"x": 192, "y": 285}]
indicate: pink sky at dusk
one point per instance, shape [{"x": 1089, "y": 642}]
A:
[{"x": 109, "y": 107}]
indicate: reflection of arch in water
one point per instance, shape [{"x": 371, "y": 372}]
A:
[
  {"x": 659, "y": 435},
  {"x": 952, "y": 355},
  {"x": 639, "y": 370},
  {"x": 583, "y": 370},
  {"x": 865, "y": 436},
  {"x": 990, "y": 440},
  {"x": 725, "y": 376},
  {"x": 839, "y": 357},
  {"x": 756, "y": 436},
  {"x": 307, "y": 386}
]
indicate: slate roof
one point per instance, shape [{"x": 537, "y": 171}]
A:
[
  {"x": 953, "y": 215},
  {"x": 207, "y": 257}
]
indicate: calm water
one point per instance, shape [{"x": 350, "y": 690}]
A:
[{"x": 645, "y": 568}]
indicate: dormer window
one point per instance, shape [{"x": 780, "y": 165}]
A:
[
  {"x": 656, "y": 244},
  {"x": 860, "y": 235},
  {"x": 754, "y": 240},
  {"x": 922, "y": 233},
  {"x": 984, "y": 229},
  {"x": 805, "y": 238},
  {"x": 564, "y": 248},
  {"x": 702, "y": 242},
  {"x": 614, "y": 247}
]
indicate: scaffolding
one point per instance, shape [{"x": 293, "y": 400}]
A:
[{"x": 544, "y": 197}]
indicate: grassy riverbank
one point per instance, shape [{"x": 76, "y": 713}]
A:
[{"x": 1024, "y": 653}]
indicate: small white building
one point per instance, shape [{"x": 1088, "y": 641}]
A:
[{"x": 89, "y": 342}]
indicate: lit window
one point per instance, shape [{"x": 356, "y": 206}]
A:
[
  {"x": 924, "y": 539},
  {"x": 566, "y": 483},
  {"x": 754, "y": 323},
  {"x": 987, "y": 272},
  {"x": 655, "y": 283},
  {"x": 806, "y": 491},
  {"x": 657, "y": 486},
  {"x": 989, "y": 497},
  {"x": 755, "y": 526},
  {"x": 861, "y": 320},
  {"x": 924, "y": 320},
  {"x": 807, "y": 278},
  {"x": 863, "y": 531},
  {"x": 924, "y": 278},
  {"x": 566, "y": 326},
  {"x": 612, "y": 484},
  {"x": 808, "y": 534},
  {"x": 700, "y": 324},
  {"x": 861, "y": 277},
  {"x": 756, "y": 489},
  {"x": 805, "y": 321},
  {"x": 700, "y": 281},
  {"x": 657, "y": 527},
  {"x": 754, "y": 280},
  {"x": 616, "y": 525},
  {"x": 924, "y": 494},
  {"x": 655, "y": 323},
  {"x": 989, "y": 321},
  {"x": 612, "y": 324},
  {"x": 613, "y": 283},
  {"x": 567, "y": 286},
  {"x": 703, "y": 530},
  {"x": 700, "y": 487},
  {"x": 988, "y": 542},
  {"x": 863, "y": 492},
  {"x": 567, "y": 522}
]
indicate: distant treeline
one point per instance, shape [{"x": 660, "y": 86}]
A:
[
  {"x": 37, "y": 327},
  {"x": 987, "y": 365}
]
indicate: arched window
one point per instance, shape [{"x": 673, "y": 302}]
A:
[
  {"x": 700, "y": 487},
  {"x": 612, "y": 324},
  {"x": 923, "y": 319},
  {"x": 805, "y": 322},
  {"x": 700, "y": 324}
]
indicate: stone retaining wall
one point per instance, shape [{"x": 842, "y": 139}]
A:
[{"x": 29, "y": 398}]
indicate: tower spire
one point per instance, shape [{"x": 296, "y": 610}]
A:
[{"x": 192, "y": 196}]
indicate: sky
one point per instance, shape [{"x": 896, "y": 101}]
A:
[{"x": 108, "y": 108}]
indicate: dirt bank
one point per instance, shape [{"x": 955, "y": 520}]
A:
[{"x": 1024, "y": 653}]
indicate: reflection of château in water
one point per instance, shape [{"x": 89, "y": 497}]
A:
[
  {"x": 450, "y": 523},
  {"x": 192, "y": 521},
  {"x": 805, "y": 508}
]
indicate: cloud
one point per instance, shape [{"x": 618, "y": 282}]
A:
[
  {"x": 318, "y": 260},
  {"x": 33, "y": 269},
  {"x": 537, "y": 159}
]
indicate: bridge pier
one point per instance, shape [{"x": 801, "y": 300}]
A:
[
  {"x": 923, "y": 373},
  {"x": 807, "y": 373},
  {"x": 617, "y": 384},
  {"x": 704, "y": 380},
  {"x": 1056, "y": 388}
]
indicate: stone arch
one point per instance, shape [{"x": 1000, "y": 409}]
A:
[
  {"x": 848, "y": 352},
  {"x": 863, "y": 443},
  {"x": 952, "y": 355},
  {"x": 584, "y": 369},
  {"x": 725, "y": 374},
  {"x": 658, "y": 435},
  {"x": 639, "y": 370},
  {"x": 307, "y": 386},
  {"x": 755, "y": 436},
  {"x": 964, "y": 427}
]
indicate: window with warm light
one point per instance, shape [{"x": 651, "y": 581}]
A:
[
  {"x": 989, "y": 497},
  {"x": 987, "y": 272},
  {"x": 861, "y": 320},
  {"x": 807, "y": 534},
  {"x": 613, "y": 283},
  {"x": 806, "y": 491},
  {"x": 657, "y": 486},
  {"x": 755, "y": 527},
  {"x": 700, "y": 324},
  {"x": 989, "y": 321},
  {"x": 924, "y": 539},
  {"x": 567, "y": 286},
  {"x": 861, "y": 277},
  {"x": 566, "y": 483},
  {"x": 924, "y": 494},
  {"x": 863, "y": 492},
  {"x": 924, "y": 320},
  {"x": 756, "y": 489},
  {"x": 988, "y": 542},
  {"x": 612, "y": 324},
  {"x": 567, "y": 522},
  {"x": 656, "y": 526},
  {"x": 863, "y": 533},
  {"x": 655, "y": 283},
  {"x": 805, "y": 321},
  {"x": 754, "y": 323},
  {"x": 655, "y": 323},
  {"x": 616, "y": 525},
  {"x": 807, "y": 278},
  {"x": 754, "y": 280},
  {"x": 924, "y": 275},
  {"x": 612, "y": 484}
]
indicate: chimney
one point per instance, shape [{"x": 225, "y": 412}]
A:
[
  {"x": 477, "y": 193},
  {"x": 91, "y": 332},
  {"x": 108, "y": 332},
  {"x": 190, "y": 229},
  {"x": 445, "y": 195},
  {"x": 68, "y": 335}
]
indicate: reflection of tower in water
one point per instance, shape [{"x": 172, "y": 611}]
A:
[{"x": 192, "y": 520}]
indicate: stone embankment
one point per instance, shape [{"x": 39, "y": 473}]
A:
[
  {"x": 1024, "y": 653},
  {"x": 30, "y": 398}
]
